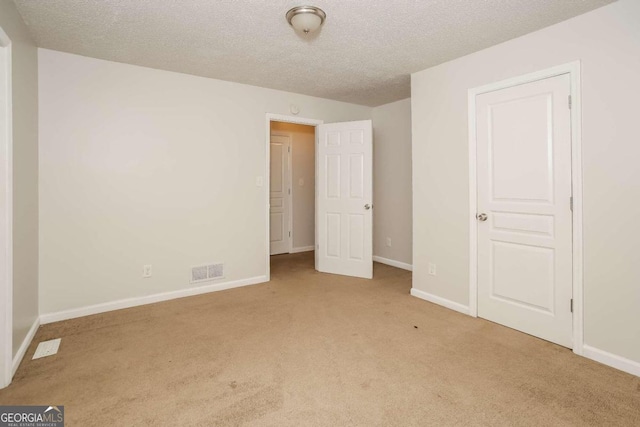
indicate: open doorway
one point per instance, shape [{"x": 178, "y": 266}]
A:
[
  {"x": 291, "y": 188},
  {"x": 343, "y": 208},
  {"x": 288, "y": 215}
]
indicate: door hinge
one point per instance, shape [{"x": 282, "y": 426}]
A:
[
  {"x": 571, "y": 203},
  {"x": 569, "y": 101},
  {"x": 289, "y": 191},
  {"x": 289, "y": 234},
  {"x": 289, "y": 149},
  {"x": 572, "y": 305}
]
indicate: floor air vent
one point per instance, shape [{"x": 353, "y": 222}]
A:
[
  {"x": 47, "y": 348},
  {"x": 203, "y": 273}
]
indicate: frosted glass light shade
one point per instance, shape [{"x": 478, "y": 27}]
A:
[
  {"x": 306, "y": 19},
  {"x": 306, "y": 22}
]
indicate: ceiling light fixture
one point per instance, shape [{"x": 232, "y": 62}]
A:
[{"x": 306, "y": 19}]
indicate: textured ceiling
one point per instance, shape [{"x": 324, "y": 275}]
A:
[{"x": 363, "y": 54}]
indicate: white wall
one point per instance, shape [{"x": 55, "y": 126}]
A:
[
  {"x": 302, "y": 168},
  {"x": 25, "y": 172},
  {"x": 392, "y": 181},
  {"x": 141, "y": 166},
  {"x": 607, "y": 42}
]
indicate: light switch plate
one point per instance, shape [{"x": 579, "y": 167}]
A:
[{"x": 47, "y": 348}]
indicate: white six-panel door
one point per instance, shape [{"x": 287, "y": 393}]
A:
[
  {"x": 524, "y": 193},
  {"x": 344, "y": 206},
  {"x": 279, "y": 195}
]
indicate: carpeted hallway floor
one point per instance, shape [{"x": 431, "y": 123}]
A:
[{"x": 310, "y": 349}]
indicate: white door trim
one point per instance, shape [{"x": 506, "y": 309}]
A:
[
  {"x": 290, "y": 178},
  {"x": 573, "y": 69},
  {"x": 6, "y": 218},
  {"x": 276, "y": 118}
]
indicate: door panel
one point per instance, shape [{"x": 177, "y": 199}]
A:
[
  {"x": 279, "y": 198},
  {"x": 344, "y": 231},
  {"x": 535, "y": 285},
  {"x": 521, "y": 170},
  {"x": 356, "y": 176},
  {"x": 524, "y": 187},
  {"x": 332, "y": 175},
  {"x": 356, "y": 236}
]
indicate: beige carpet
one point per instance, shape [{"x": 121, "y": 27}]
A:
[{"x": 310, "y": 349}]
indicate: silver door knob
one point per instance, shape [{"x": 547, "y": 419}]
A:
[
  {"x": 482, "y": 217},
  {"x": 367, "y": 206}
]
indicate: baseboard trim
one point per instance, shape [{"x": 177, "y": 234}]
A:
[
  {"x": 440, "y": 301},
  {"x": 149, "y": 299},
  {"x": 17, "y": 359},
  {"x": 610, "y": 359},
  {"x": 393, "y": 263},
  {"x": 302, "y": 249}
]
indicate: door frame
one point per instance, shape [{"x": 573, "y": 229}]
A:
[
  {"x": 271, "y": 117},
  {"x": 573, "y": 70},
  {"x": 6, "y": 219},
  {"x": 289, "y": 196}
]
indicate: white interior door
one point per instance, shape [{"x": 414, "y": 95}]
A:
[
  {"x": 279, "y": 195},
  {"x": 524, "y": 207},
  {"x": 344, "y": 206}
]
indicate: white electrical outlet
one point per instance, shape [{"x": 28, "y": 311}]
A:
[
  {"x": 259, "y": 181},
  {"x": 146, "y": 271},
  {"x": 389, "y": 241},
  {"x": 47, "y": 348},
  {"x": 432, "y": 269}
]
